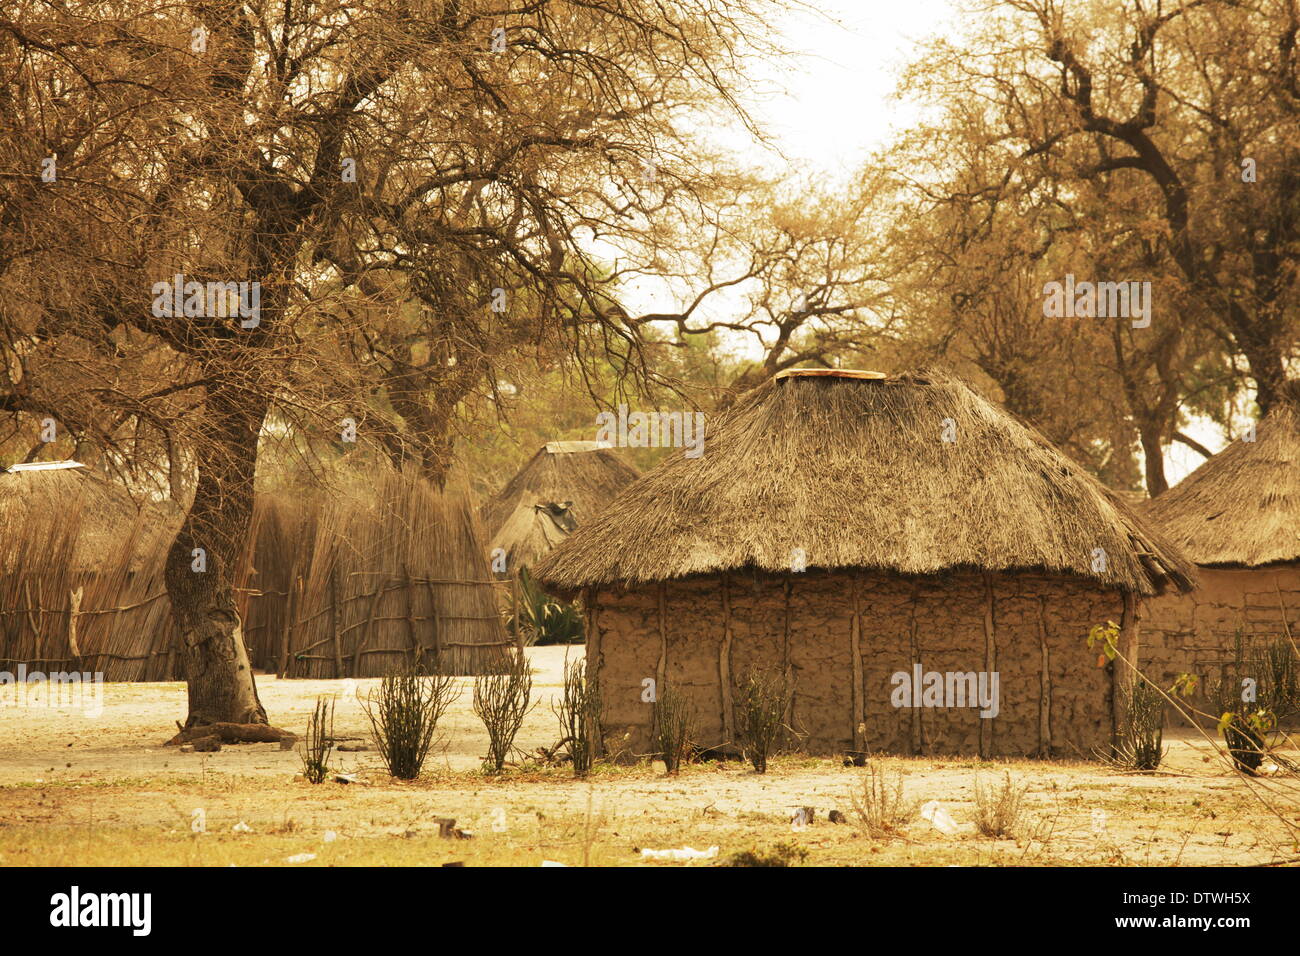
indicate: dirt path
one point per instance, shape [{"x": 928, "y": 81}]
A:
[{"x": 104, "y": 789}]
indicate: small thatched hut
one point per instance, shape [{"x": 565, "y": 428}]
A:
[
  {"x": 565, "y": 484},
  {"x": 81, "y": 574},
  {"x": 1238, "y": 517},
  {"x": 859, "y": 533},
  {"x": 357, "y": 583}
]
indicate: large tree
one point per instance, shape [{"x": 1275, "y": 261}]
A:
[{"x": 483, "y": 155}]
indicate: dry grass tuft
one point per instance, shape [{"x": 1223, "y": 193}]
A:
[{"x": 999, "y": 810}]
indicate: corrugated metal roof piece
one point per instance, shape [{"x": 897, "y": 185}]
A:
[{"x": 574, "y": 447}]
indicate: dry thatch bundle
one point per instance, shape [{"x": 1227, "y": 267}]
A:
[
  {"x": 565, "y": 484},
  {"x": 81, "y": 576},
  {"x": 853, "y": 470},
  {"x": 1241, "y": 507},
  {"x": 357, "y": 584}
]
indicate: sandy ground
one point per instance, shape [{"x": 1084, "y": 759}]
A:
[{"x": 102, "y": 789}]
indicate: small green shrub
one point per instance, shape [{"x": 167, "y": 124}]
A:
[
  {"x": 674, "y": 728},
  {"x": 579, "y": 715},
  {"x": 319, "y": 742},
  {"x": 542, "y": 619},
  {"x": 502, "y": 701},
  {"x": 1141, "y": 738},
  {"x": 404, "y": 712},
  {"x": 761, "y": 706}
]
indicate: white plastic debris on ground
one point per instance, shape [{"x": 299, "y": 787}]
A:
[
  {"x": 939, "y": 818},
  {"x": 553, "y": 863},
  {"x": 681, "y": 853},
  {"x": 241, "y": 827},
  {"x": 300, "y": 858}
]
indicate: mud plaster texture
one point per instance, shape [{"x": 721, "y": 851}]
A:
[
  {"x": 1032, "y": 630},
  {"x": 1196, "y": 633}
]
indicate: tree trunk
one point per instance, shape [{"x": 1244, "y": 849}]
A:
[
  {"x": 202, "y": 562},
  {"x": 1154, "y": 459},
  {"x": 1264, "y": 356}
]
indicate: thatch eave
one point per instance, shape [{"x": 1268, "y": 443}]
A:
[
  {"x": 1240, "y": 508},
  {"x": 853, "y": 473}
]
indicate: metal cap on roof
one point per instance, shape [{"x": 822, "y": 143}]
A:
[
  {"x": 830, "y": 373},
  {"x": 44, "y": 466},
  {"x": 573, "y": 447}
]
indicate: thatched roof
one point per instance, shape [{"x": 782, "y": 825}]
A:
[
  {"x": 1241, "y": 507},
  {"x": 854, "y": 472},
  {"x": 383, "y": 569},
  {"x": 579, "y": 478},
  {"x": 80, "y": 513}
]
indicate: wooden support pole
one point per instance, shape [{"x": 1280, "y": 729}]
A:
[
  {"x": 514, "y": 611},
  {"x": 724, "y": 666},
  {"x": 857, "y": 718},
  {"x": 437, "y": 625},
  {"x": 1044, "y": 684},
  {"x": 286, "y": 635},
  {"x": 787, "y": 667},
  {"x": 595, "y": 663},
  {"x": 365, "y": 633},
  {"x": 1123, "y": 673},
  {"x": 410, "y": 619},
  {"x": 336, "y": 615},
  {"x": 990, "y": 663},
  {"x": 661, "y": 668},
  {"x": 914, "y": 644}
]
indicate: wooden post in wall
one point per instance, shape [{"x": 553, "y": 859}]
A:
[
  {"x": 787, "y": 668},
  {"x": 857, "y": 717},
  {"x": 914, "y": 646},
  {"x": 724, "y": 667},
  {"x": 661, "y": 667},
  {"x": 990, "y": 663},
  {"x": 1123, "y": 671},
  {"x": 592, "y": 648},
  {"x": 514, "y": 611},
  {"x": 336, "y": 615},
  {"x": 1044, "y": 684}
]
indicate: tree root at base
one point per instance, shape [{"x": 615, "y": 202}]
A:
[{"x": 232, "y": 734}]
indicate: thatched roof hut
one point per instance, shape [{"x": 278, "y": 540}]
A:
[
  {"x": 856, "y": 473},
  {"x": 1238, "y": 516},
  {"x": 563, "y": 485},
  {"x": 1240, "y": 508},
  {"x": 81, "y": 574},
  {"x": 358, "y": 582},
  {"x": 846, "y": 526}
]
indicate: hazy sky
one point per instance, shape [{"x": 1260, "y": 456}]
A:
[{"x": 833, "y": 102}]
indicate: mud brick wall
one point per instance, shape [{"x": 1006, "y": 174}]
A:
[
  {"x": 1195, "y": 633},
  {"x": 701, "y": 634}
]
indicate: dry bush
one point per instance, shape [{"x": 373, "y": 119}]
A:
[
  {"x": 319, "y": 742},
  {"x": 674, "y": 728},
  {"x": 761, "y": 707},
  {"x": 502, "y": 701},
  {"x": 882, "y": 809},
  {"x": 1140, "y": 741},
  {"x": 579, "y": 715},
  {"x": 404, "y": 712},
  {"x": 999, "y": 810}
]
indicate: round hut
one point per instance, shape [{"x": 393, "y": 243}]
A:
[
  {"x": 565, "y": 484},
  {"x": 922, "y": 567},
  {"x": 1238, "y": 517},
  {"x": 378, "y": 572},
  {"x": 81, "y": 574}
]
